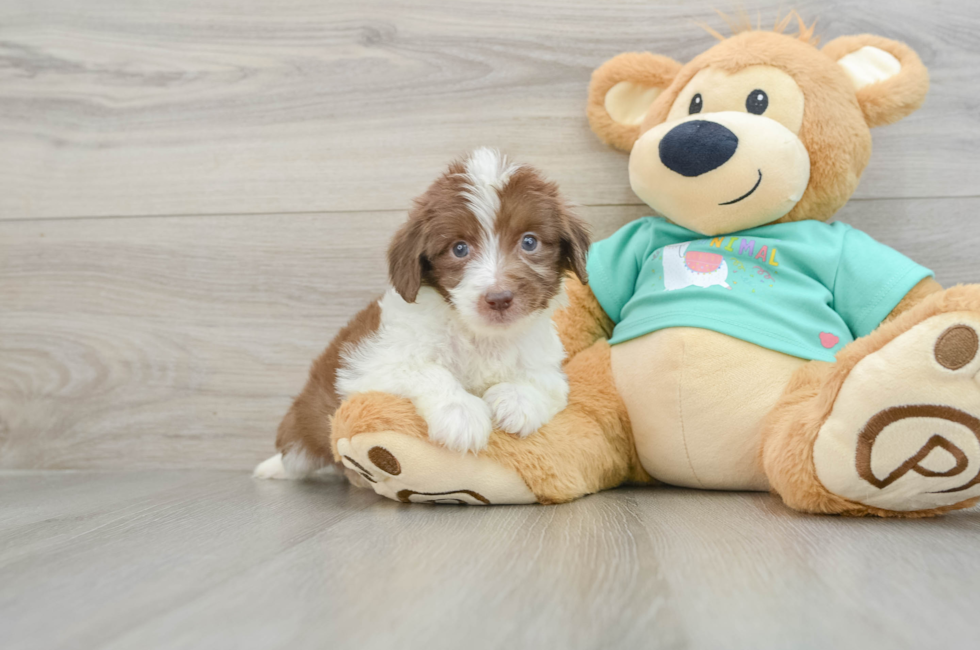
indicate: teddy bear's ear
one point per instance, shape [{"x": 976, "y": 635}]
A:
[
  {"x": 889, "y": 78},
  {"x": 622, "y": 90}
]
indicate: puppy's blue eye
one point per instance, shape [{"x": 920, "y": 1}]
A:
[
  {"x": 460, "y": 249},
  {"x": 529, "y": 243}
]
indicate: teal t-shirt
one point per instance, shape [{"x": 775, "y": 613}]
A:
[{"x": 805, "y": 289}]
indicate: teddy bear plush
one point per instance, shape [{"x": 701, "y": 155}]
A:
[{"x": 738, "y": 341}]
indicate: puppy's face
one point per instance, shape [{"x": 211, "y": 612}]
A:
[{"x": 495, "y": 239}]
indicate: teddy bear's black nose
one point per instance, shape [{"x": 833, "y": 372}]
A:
[{"x": 696, "y": 147}]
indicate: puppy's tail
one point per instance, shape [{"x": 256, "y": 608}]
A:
[{"x": 303, "y": 440}]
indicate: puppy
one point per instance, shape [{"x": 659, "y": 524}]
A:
[{"x": 465, "y": 332}]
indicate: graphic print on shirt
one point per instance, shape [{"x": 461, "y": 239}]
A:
[
  {"x": 684, "y": 269},
  {"x": 806, "y": 289}
]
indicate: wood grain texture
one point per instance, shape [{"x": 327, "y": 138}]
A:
[
  {"x": 196, "y": 194},
  {"x": 122, "y": 107},
  {"x": 282, "y": 143},
  {"x": 172, "y": 341},
  {"x": 179, "y": 342},
  {"x": 213, "y": 560}
]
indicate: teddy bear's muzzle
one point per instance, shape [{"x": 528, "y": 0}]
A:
[{"x": 720, "y": 172}]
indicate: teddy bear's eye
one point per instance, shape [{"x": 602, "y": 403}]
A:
[
  {"x": 757, "y": 102},
  {"x": 696, "y": 105}
]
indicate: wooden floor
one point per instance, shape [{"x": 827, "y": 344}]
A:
[
  {"x": 211, "y": 559},
  {"x": 196, "y": 194}
]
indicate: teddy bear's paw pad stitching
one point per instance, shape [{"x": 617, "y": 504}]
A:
[
  {"x": 410, "y": 470},
  {"x": 904, "y": 433},
  {"x": 956, "y": 347}
]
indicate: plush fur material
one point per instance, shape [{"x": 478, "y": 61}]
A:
[
  {"x": 465, "y": 332},
  {"x": 893, "y": 424},
  {"x": 694, "y": 433},
  {"x": 890, "y": 100},
  {"x": 836, "y": 123},
  {"x": 642, "y": 68},
  {"x": 588, "y": 447},
  {"x": 808, "y": 400}
]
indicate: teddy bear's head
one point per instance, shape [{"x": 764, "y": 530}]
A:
[{"x": 762, "y": 127}]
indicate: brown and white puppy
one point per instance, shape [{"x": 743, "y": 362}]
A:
[{"x": 465, "y": 332}]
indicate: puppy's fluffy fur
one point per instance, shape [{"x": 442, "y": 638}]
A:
[{"x": 465, "y": 331}]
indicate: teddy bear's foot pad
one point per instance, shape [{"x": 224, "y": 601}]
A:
[
  {"x": 904, "y": 432},
  {"x": 407, "y": 469}
]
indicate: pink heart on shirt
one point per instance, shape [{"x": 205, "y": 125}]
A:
[{"x": 828, "y": 340}]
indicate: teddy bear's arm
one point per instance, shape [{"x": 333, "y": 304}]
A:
[
  {"x": 926, "y": 287},
  {"x": 582, "y": 322}
]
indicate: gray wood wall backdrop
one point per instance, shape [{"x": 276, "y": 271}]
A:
[{"x": 196, "y": 194}]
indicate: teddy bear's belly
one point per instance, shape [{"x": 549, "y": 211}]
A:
[{"x": 696, "y": 399}]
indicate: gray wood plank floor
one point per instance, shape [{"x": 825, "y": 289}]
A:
[
  {"x": 212, "y": 560},
  {"x": 196, "y": 194}
]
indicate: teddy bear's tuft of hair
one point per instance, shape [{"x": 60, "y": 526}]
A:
[{"x": 742, "y": 23}]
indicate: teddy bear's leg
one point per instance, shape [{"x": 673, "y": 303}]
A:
[
  {"x": 383, "y": 440},
  {"x": 892, "y": 428},
  {"x": 585, "y": 448}
]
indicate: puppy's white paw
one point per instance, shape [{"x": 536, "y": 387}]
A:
[
  {"x": 462, "y": 424},
  {"x": 518, "y": 408}
]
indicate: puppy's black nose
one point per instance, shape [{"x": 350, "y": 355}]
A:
[
  {"x": 696, "y": 147},
  {"x": 499, "y": 300}
]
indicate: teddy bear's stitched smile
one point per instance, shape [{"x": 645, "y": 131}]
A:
[{"x": 747, "y": 194}]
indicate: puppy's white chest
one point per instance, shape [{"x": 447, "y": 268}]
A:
[{"x": 481, "y": 364}]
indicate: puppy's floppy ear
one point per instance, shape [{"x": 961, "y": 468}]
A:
[
  {"x": 888, "y": 77},
  {"x": 405, "y": 257},
  {"x": 575, "y": 240},
  {"x": 621, "y": 92}
]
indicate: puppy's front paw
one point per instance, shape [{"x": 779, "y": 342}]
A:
[
  {"x": 462, "y": 424},
  {"x": 517, "y": 408}
]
